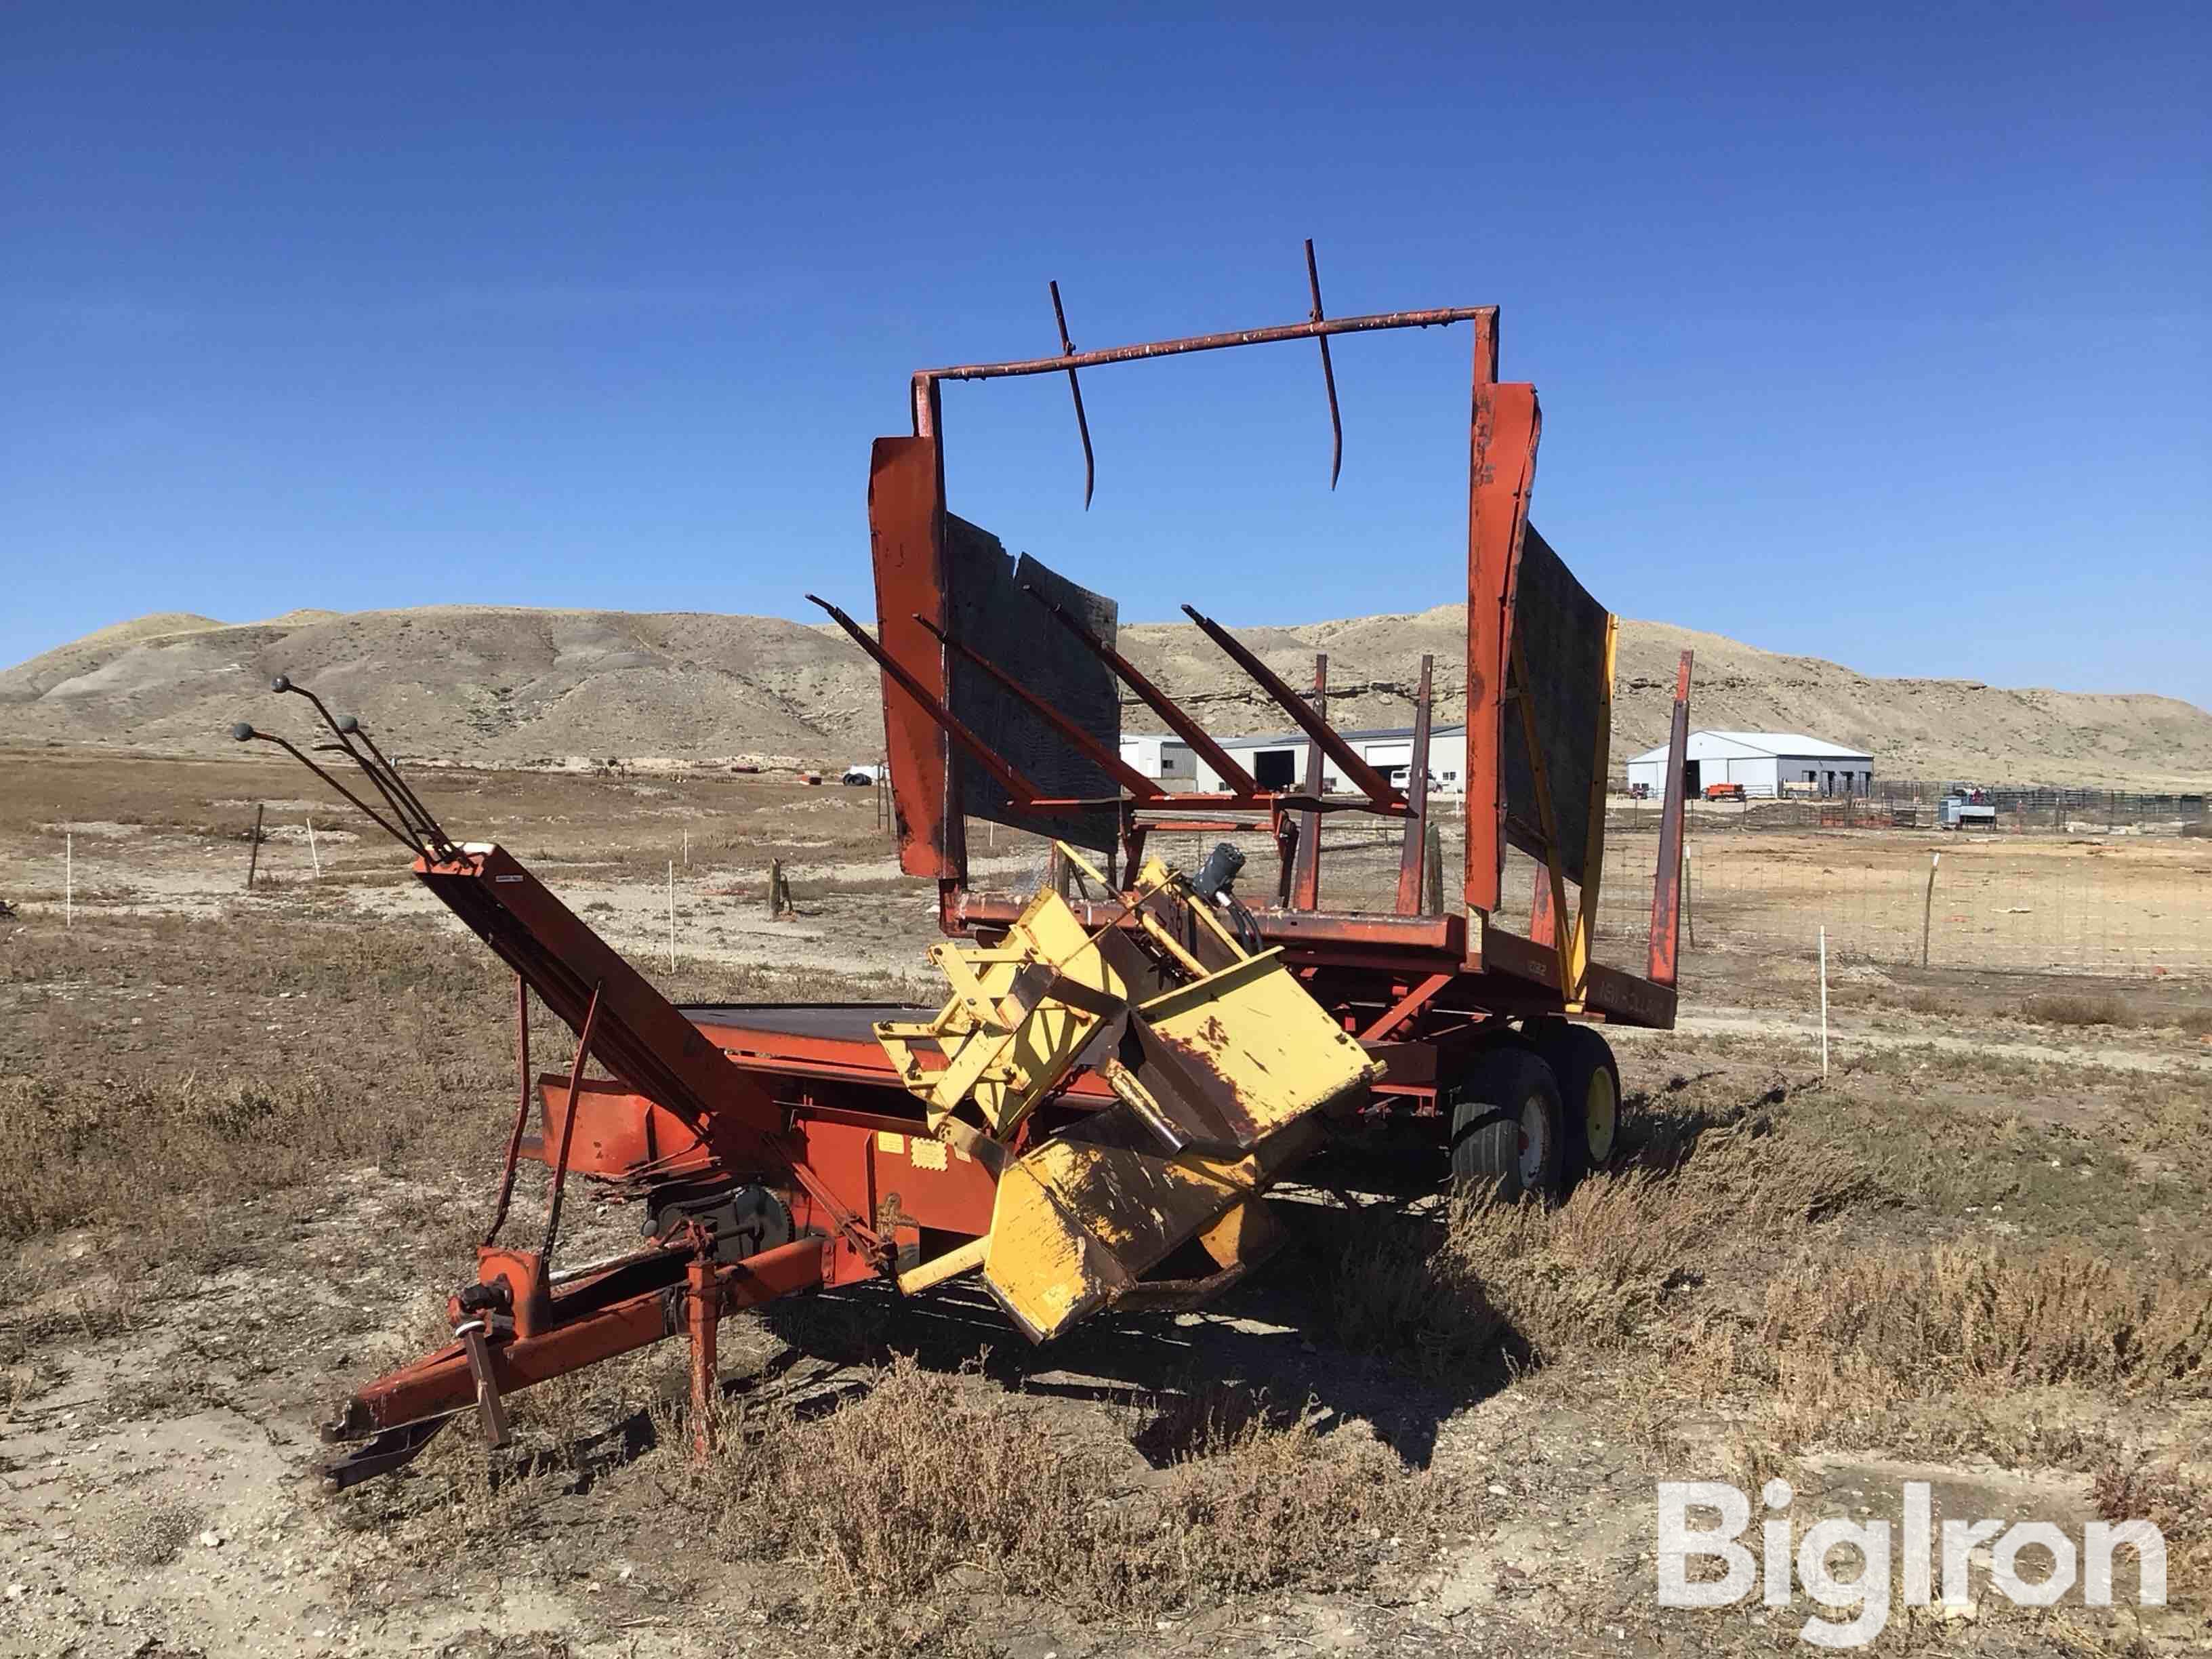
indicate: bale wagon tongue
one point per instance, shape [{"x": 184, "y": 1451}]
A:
[{"x": 1093, "y": 1117}]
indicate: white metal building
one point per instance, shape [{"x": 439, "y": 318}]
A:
[
  {"x": 1158, "y": 756},
  {"x": 1767, "y": 763},
  {"x": 1279, "y": 761}
]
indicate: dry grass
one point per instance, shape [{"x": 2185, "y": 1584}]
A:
[
  {"x": 280, "y": 1050},
  {"x": 1491, "y": 1284},
  {"x": 889, "y": 1516},
  {"x": 930, "y": 1487},
  {"x": 1873, "y": 1328},
  {"x": 2019, "y": 1356},
  {"x": 2078, "y": 1010},
  {"x": 2130, "y": 1485},
  {"x": 147, "y": 1060}
]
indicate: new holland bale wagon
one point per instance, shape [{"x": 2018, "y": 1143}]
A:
[{"x": 1092, "y": 1119}]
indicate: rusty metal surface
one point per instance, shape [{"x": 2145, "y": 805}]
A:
[
  {"x": 1501, "y": 473},
  {"x": 1148, "y": 349},
  {"x": 1240, "y": 782},
  {"x": 1667, "y": 887},
  {"x": 1024, "y": 792},
  {"x": 522, "y": 1109},
  {"x": 1328, "y": 371},
  {"x": 1305, "y": 864},
  {"x": 568, "y": 1121},
  {"x": 1412, "y": 851},
  {"x": 1075, "y": 391},
  {"x": 442, "y": 1383},
  {"x": 1550, "y": 758},
  {"x": 642, "y": 1038},
  {"x": 906, "y": 507},
  {"x": 1357, "y": 772},
  {"x": 1138, "y": 785},
  {"x": 616, "y": 1134}
]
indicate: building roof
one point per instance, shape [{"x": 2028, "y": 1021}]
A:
[
  {"x": 1371, "y": 734},
  {"x": 1713, "y": 745}
]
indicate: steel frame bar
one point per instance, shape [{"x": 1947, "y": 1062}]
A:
[
  {"x": 1023, "y": 794},
  {"x": 1305, "y": 876},
  {"x": 1667, "y": 881},
  {"x": 1408, "y": 1005},
  {"x": 522, "y": 1109},
  {"x": 1413, "y": 854},
  {"x": 568, "y": 1125},
  {"x": 1586, "y": 900},
  {"x": 1239, "y": 780},
  {"x": 1357, "y": 772},
  {"x": 906, "y": 538},
  {"x": 1501, "y": 472},
  {"x": 1144, "y": 788},
  {"x": 441, "y": 1382},
  {"x": 926, "y": 380}
]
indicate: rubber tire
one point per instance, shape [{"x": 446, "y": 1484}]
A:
[
  {"x": 1590, "y": 1091},
  {"x": 1503, "y": 1086}
]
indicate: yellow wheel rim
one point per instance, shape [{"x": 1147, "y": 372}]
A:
[{"x": 1600, "y": 1115}]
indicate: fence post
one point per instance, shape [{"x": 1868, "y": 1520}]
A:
[
  {"x": 312, "y": 853},
  {"x": 671, "y": 915},
  {"x": 1824, "y": 1004},
  {"x": 68, "y": 880},
  {"x": 253, "y": 857},
  {"x": 1927, "y": 906}
]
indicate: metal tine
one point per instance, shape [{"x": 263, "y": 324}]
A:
[
  {"x": 395, "y": 786},
  {"x": 1020, "y": 789},
  {"x": 1327, "y": 369},
  {"x": 1362, "y": 776},
  {"x": 1075, "y": 389},
  {"x": 401, "y": 798},
  {"x": 423, "y": 817},
  {"x": 1135, "y": 782},
  {"x": 283, "y": 682},
  {"x": 246, "y": 733},
  {"x": 1155, "y": 699}
]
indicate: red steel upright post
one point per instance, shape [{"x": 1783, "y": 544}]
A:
[
  {"x": 1305, "y": 879},
  {"x": 905, "y": 526},
  {"x": 1501, "y": 472},
  {"x": 1413, "y": 849},
  {"x": 1667, "y": 882}
]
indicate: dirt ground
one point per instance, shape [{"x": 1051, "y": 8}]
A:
[{"x": 249, "y": 1137}]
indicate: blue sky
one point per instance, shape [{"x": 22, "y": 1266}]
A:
[{"x": 1880, "y": 334}]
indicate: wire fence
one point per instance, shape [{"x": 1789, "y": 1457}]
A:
[
  {"x": 1908, "y": 805},
  {"x": 2085, "y": 916},
  {"x": 2126, "y": 906}
]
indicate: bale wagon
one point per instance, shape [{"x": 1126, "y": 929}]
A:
[{"x": 1092, "y": 1119}]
